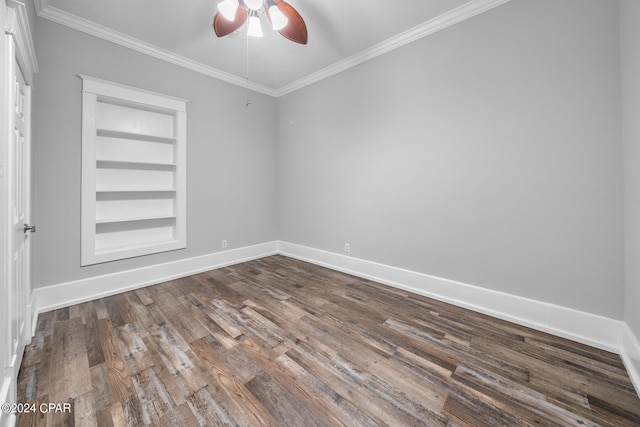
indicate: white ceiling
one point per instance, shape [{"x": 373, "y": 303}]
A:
[{"x": 342, "y": 33}]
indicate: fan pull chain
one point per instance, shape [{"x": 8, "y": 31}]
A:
[{"x": 248, "y": 104}]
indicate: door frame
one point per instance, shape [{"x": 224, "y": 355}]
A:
[{"x": 16, "y": 46}]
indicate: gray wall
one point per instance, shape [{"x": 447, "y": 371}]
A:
[
  {"x": 630, "y": 52},
  {"x": 231, "y": 154},
  {"x": 488, "y": 153}
]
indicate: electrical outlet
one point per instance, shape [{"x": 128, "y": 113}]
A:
[
  {"x": 347, "y": 247},
  {"x": 224, "y": 244}
]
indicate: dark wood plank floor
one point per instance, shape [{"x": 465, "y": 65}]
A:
[{"x": 285, "y": 343}]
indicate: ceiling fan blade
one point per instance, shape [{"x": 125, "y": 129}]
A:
[
  {"x": 223, "y": 27},
  {"x": 296, "y": 29}
]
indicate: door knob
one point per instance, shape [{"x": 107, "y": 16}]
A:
[{"x": 31, "y": 228}]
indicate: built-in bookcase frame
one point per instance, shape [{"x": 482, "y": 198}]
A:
[{"x": 133, "y": 172}]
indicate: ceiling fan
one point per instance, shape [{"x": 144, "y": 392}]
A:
[{"x": 232, "y": 14}]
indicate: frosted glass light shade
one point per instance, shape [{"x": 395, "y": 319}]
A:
[
  {"x": 278, "y": 20},
  {"x": 228, "y": 9},
  {"x": 254, "y": 30},
  {"x": 253, "y": 4}
]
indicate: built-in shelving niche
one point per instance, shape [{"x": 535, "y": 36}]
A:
[{"x": 133, "y": 172}]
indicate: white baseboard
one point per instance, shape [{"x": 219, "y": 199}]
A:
[
  {"x": 594, "y": 330},
  {"x": 597, "y": 331},
  {"x": 631, "y": 356},
  {"x": 79, "y": 291}
]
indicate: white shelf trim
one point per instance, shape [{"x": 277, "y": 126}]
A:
[
  {"x": 105, "y": 255},
  {"x": 134, "y": 163},
  {"x": 138, "y": 190},
  {"x": 138, "y": 115},
  {"x": 132, "y": 219},
  {"x": 119, "y": 91},
  {"x": 107, "y": 133}
]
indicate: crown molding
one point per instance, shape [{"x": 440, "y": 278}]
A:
[
  {"x": 445, "y": 20},
  {"x": 440, "y": 22},
  {"x": 46, "y": 11}
]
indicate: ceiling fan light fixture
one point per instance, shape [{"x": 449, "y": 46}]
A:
[
  {"x": 228, "y": 9},
  {"x": 278, "y": 20},
  {"x": 284, "y": 18},
  {"x": 254, "y": 28},
  {"x": 253, "y": 4}
]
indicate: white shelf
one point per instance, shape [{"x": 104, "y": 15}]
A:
[
  {"x": 121, "y": 146},
  {"x": 146, "y": 121},
  {"x": 132, "y": 219},
  {"x": 137, "y": 250},
  {"x": 133, "y": 172},
  {"x": 137, "y": 190},
  {"x": 114, "y": 206},
  {"x": 114, "y": 163},
  {"x": 117, "y": 134}
]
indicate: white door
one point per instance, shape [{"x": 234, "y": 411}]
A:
[
  {"x": 18, "y": 291},
  {"x": 18, "y": 67},
  {"x": 20, "y": 185}
]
